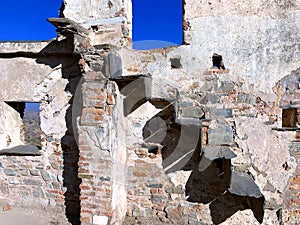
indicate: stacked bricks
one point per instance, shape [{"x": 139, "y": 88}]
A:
[
  {"x": 30, "y": 181},
  {"x": 294, "y": 203},
  {"x": 95, "y": 162}
]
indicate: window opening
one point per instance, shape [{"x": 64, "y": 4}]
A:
[
  {"x": 217, "y": 61},
  {"x": 30, "y": 130},
  {"x": 156, "y": 24},
  {"x": 290, "y": 117},
  {"x": 175, "y": 63}
]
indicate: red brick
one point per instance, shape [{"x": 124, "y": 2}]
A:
[
  {"x": 88, "y": 206},
  {"x": 87, "y": 211},
  {"x": 295, "y": 180},
  {"x": 82, "y": 170},
  {"x": 94, "y": 111},
  {"x": 139, "y": 174},
  {"x": 92, "y": 75},
  {"x": 84, "y": 148},
  {"x": 83, "y": 164},
  {"x": 98, "y": 118},
  {"x": 111, "y": 99},
  {"x": 98, "y": 97},
  {"x": 154, "y": 191},
  {"x": 59, "y": 192},
  {"x": 295, "y": 202},
  {"x": 107, "y": 213},
  {"x": 85, "y": 193},
  {"x": 295, "y": 187},
  {"x": 86, "y": 219},
  {"x": 84, "y": 159},
  {"x": 84, "y": 187},
  {"x": 100, "y": 104},
  {"x": 82, "y": 198},
  {"x": 295, "y": 213},
  {"x": 82, "y": 141},
  {"x": 110, "y": 110}
]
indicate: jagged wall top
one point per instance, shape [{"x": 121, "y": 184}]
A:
[
  {"x": 84, "y": 11},
  {"x": 274, "y": 8}
]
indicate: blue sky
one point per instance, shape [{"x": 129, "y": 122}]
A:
[{"x": 158, "y": 20}]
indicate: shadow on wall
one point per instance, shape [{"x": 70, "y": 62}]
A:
[
  {"x": 215, "y": 184},
  {"x": 61, "y": 53}
]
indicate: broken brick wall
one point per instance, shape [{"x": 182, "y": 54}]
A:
[{"x": 47, "y": 73}]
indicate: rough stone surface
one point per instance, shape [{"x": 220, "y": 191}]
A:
[{"x": 157, "y": 136}]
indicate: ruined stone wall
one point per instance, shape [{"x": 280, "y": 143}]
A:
[
  {"x": 239, "y": 109},
  {"x": 44, "y": 175},
  {"x": 111, "y": 21},
  {"x": 163, "y": 135}
]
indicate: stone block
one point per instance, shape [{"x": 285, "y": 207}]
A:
[
  {"x": 220, "y": 136},
  {"x": 10, "y": 172},
  {"x": 246, "y": 98},
  {"x": 93, "y": 76},
  {"x": 219, "y": 113},
  {"x": 4, "y": 188},
  {"x": 174, "y": 213},
  {"x": 224, "y": 87},
  {"x": 45, "y": 175},
  {"x": 22, "y": 150},
  {"x": 14, "y": 181},
  {"x": 158, "y": 198},
  {"x": 33, "y": 182},
  {"x": 192, "y": 112},
  {"x": 215, "y": 152},
  {"x": 155, "y": 185},
  {"x": 185, "y": 104},
  {"x": 100, "y": 220},
  {"x": 115, "y": 66},
  {"x": 243, "y": 184},
  {"x": 38, "y": 193},
  {"x": 211, "y": 98}
]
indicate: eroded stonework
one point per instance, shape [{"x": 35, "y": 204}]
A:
[{"x": 163, "y": 136}]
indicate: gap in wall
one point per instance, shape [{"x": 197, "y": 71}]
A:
[{"x": 156, "y": 24}]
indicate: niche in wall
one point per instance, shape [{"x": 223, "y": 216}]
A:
[{"x": 27, "y": 124}]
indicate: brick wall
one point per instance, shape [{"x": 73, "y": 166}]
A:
[{"x": 95, "y": 161}]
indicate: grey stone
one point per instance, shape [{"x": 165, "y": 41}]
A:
[
  {"x": 220, "y": 135},
  {"x": 40, "y": 167},
  {"x": 39, "y": 193},
  {"x": 184, "y": 104},
  {"x": 45, "y": 175},
  {"x": 154, "y": 185},
  {"x": 10, "y": 172},
  {"x": 224, "y": 87},
  {"x": 60, "y": 178},
  {"x": 105, "y": 178},
  {"x": 34, "y": 172},
  {"x": 246, "y": 98},
  {"x": 215, "y": 152},
  {"x": 175, "y": 63},
  {"x": 137, "y": 90},
  {"x": 115, "y": 66},
  {"x": 243, "y": 184},
  {"x": 22, "y": 150},
  {"x": 14, "y": 181},
  {"x": 56, "y": 185},
  {"x": 158, "y": 198},
  {"x": 193, "y": 112},
  {"x": 4, "y": 189},
  {"x": 212, "y": 98},
  {"x": 223, "y": 113},
  {"x": 174, "y": 212},
  {"x": 33, "y": 182},
  {"x": 66, "y": 25}
]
